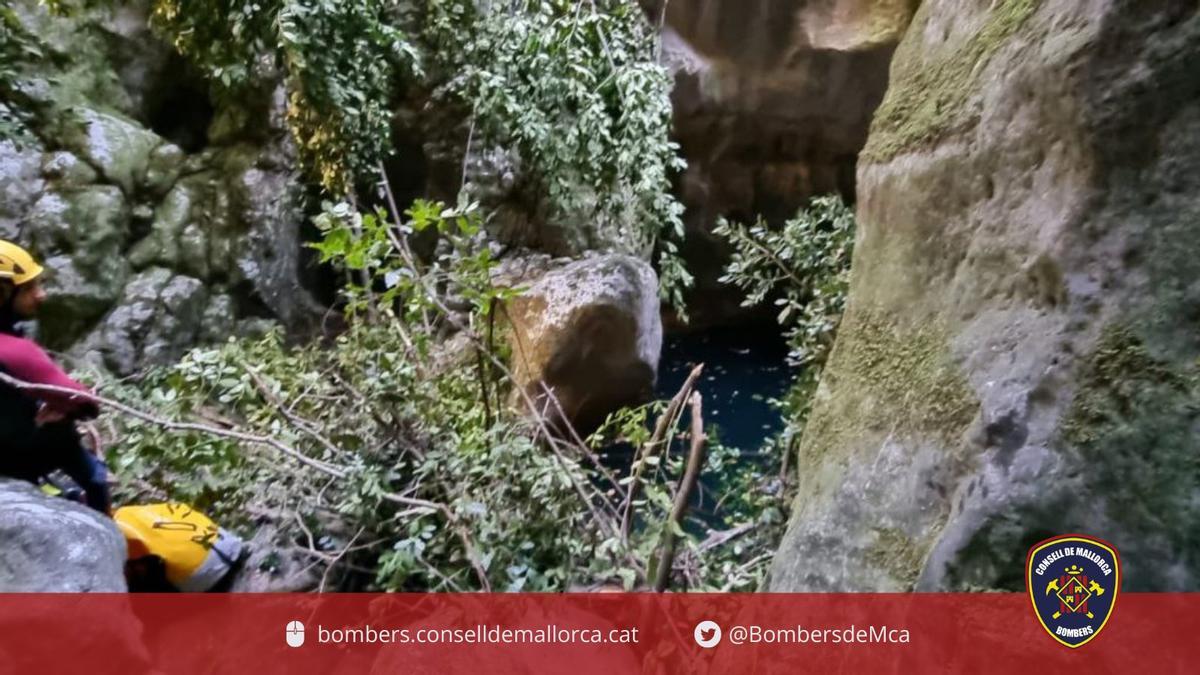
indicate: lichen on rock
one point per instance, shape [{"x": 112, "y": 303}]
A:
[
  {"x": 931, "y": 84},
  {"x": 1019, "y": 358},
  {"x": 591, "y": 332}
]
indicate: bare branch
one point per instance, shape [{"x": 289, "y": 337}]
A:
[
  {"x": 323, "y": 467},
  {"x": 686, "y": 484},
  {"x": 723, "y": 537},
  {"x": 336, "y": 559},
  {"x": 170, "y": 425},
  {"x": 467, "y": 153},
  {"x": 263, "y": 388},
  {"x": 579, "y": 442},
  {"x": 662, "y": 430}
]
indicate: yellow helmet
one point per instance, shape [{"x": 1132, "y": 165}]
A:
[{"x": 16, "y": 265}]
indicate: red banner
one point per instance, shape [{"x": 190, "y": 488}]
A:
[{"x": 578, "y": 634}]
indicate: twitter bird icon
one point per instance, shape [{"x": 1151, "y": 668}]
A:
[{"x": 707, "y": 634}]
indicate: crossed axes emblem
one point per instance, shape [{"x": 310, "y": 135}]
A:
[{"x": 1093, "y": 587}]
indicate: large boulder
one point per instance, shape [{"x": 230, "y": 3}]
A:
[
  {"x": 1019, "y": 356},
  {"x": 591, "y": 332},
  {"x": 50, "y": 544},
  {"x": 772, "y": 101}
]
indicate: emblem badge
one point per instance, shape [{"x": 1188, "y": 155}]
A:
[{"x": 1073, "y": 581}]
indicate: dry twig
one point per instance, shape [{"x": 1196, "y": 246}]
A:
[
  {"x": 662, "y": 430},
  {"x": 715, "y": 539},
  {"x": 686, "y": 484},
  {"x": 336, "y": 559}
]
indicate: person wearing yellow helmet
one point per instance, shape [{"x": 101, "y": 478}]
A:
[
  {"x": 21, "y": 290},
  {"x": 37, "y": 428}
]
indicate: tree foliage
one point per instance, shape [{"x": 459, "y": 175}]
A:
[
  {"x": 572, "y": 87},
  {"x": 400, "y": 454},
  {"x": 575, "y": 88},
  {"x": 804, "y": 267},
  {"x": 341, "y": 62}
]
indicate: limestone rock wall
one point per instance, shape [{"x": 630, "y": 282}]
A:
[
  {"x": 1019, "y": 357},
  {"x": 772, "y": 102},
  {"x": 152, "y": 243}
]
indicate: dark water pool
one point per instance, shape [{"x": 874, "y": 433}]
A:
[{"x": 744, "y": 366}]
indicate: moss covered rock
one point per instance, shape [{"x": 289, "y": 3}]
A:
[
  {"x": 1020, "y": 353},
  {"x": 118, "y": 148},
  {"x": 137, "y": 231},
  {"x": 20, "y": 185}
]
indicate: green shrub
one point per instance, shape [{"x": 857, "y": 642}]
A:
[
  {"x": 575, "y": 88},
  {"x": 804, "y": 268},
  {"x": 388, "y": 451}
]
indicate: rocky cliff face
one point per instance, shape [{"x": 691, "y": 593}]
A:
[
  {"x": 163, "y": 222},
  {"x": 772, "y": 102},
  {"x": 1019, "y": 357}
]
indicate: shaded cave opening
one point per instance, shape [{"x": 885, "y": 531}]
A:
[{"x": 180, "y": 109}]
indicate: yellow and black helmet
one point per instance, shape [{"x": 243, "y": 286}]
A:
[{"x": 17, "y": 265}]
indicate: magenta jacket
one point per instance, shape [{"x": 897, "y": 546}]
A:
[{"x": 25, "y": 360}]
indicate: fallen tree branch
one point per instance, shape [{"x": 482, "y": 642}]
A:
[
  {"x": 264, "y": 389},
  {"x": 579, "y": 490},
  {"x": 336, "y": 559},
  {"x": 686, "y": 484},
  {"x": 318, "y": 465},
  {"x": 662, "y": 431},
  {"x": 715, "y": 539},
  {"x": 579, "y": 442},
  {"x": 170, "y": 425}
]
